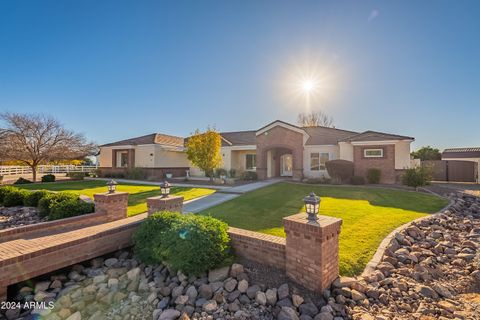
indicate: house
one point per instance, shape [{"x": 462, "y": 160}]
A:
[
  {"x": 465, "y": 154},
  {"x": 278, "y": 149},
  {"x": 456, "y": 156}
]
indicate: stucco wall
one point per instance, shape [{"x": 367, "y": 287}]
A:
[
  {"x": 333, "y": 152},
  {"x": 144, "y": 156},
  {"x": 170, "y": 159},
  {"x": 105, "y": 157},
  {"x": 239, "y": 160},
  {"x": 402, "y": 155},
  {"x": 345, "y": 151}
]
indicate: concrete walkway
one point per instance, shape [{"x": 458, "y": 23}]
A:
[
  {"x": 198, "y": 205},
  {"x": 157, "y": 183}
]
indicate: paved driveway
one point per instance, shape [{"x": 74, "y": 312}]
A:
[{"x": 445, "y": 188}]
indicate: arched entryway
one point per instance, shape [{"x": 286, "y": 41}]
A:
[{"x": 280, "y": 153}]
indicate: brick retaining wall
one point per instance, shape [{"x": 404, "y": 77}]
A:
[{"x": 259, "y": 247}]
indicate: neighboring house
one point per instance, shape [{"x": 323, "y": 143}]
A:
[
  {"x": 277, "y": 149},
  {"x": 465, "y": 154}
]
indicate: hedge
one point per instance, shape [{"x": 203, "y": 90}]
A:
[
  {"x": 190, "y": 243},
  {"x": 47, "y": 202}
]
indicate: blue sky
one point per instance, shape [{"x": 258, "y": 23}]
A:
[{"x": 118, "y": 69}]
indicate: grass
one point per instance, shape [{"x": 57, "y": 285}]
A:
[
  {"x": 138, "y": 192},
  {"x": 369, "y": 214}
]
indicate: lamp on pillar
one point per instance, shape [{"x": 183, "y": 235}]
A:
[
  {"x": 165, "y": 189},
  {"x": 312, "y": 205},
  {"x": 112, "y": 186}
]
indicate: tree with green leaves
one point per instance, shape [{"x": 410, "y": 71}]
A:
[
  {"x": 427, "y": 153},
  {"x": 203, "y": 150}
]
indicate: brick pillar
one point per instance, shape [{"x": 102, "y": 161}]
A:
[
  {"x": 170, "y": 203},
  {"x": 3, "y": 292},
  {"x": 113, "y": 205},
  {"x": 312, "y": 250}
]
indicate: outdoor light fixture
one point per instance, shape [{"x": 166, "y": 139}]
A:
[
  {"x": 312, "y": 204},
  {"x": 165, "y": 188},
  {"x": 112, "y": 185}
]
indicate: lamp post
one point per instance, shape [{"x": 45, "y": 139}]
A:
[
  {"x": 312, "y": 205},
  {"x": 165, "y": 189},
  {"x": 112, "y": 186}
]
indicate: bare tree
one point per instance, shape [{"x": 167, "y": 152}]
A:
[
  {"x": 35, "y": 139},
  {"x": 315, "y": 119}
]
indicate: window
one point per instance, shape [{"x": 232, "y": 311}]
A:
[
  {"x": 314, "y": 161},
  {"x": 251, "y": 162},
  {"x": 373, "y": 153},
  {"x": 317, "y": 160},
  {"x": 122, "y": 159}
]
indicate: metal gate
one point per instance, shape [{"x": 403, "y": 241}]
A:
[{"x": 453, "y": 170}]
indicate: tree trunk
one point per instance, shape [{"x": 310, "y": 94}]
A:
[{"x": 34, "y": 173}]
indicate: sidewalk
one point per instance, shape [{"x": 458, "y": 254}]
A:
[{"x": 198, "y": 205}]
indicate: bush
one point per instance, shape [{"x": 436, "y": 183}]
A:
[
  {"x": 46, "y": 203},
  {"x": 358, "y": 180},
  {"x": 32, "y": 198},
  {"x": 48, "y": 178},
  {"x": 135, "y": 174},
  {"x": 69, "y": 208},
  {"x": 220, "y": 172},
  {"x": 250, "y": 175},
  {"x": 417, "y": 177},
  {"x": 4, "y": 191},
  {"x": 15, "y": 197},
  {"x": 77, "y": 175},
  {"x": 232, "y": 173},
  {"x": 22, "y": 181},
  {"x": 373, "y": 175},
  {"x": 190, "y": 243},
  {"x": 340, "y": 171},
  {"x": 321, "y": 180}
]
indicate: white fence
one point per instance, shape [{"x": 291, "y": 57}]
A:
[{"x": 19, "y": 170}]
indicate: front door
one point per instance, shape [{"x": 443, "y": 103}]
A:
[{"x": 286, "y": 165}]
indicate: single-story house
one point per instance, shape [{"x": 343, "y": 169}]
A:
[
  {"x": 277, "y": 149},
  {"x": 465, "y": 154}
]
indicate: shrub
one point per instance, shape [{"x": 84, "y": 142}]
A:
[
  {"x": 340, "y": 171},
  {"x": 149, "y": 232},
  {"x": 46, "y": 203},
  {"x": 15, "y": 197},
  {"x": 232, "y": 173},
  {"x": 250, "y": 175},
  {"x": 4, "y": 191},
  {"x": 48, "y": 178},
  {"x": 135, "y": 174},
  {"x": 77, "y": 175},
  {"x": 417, "y": 177},
  {"x": 22, "y": 181},
  {"x": 32, "y": 198},
  {"x": 190, "y": 243},
  {"x": 321, "y": 180},
  {"x": 358, "y": 180},
  {"x": 373, "y": 175},
  {"x": 220, "y": 172},
  {"x": 69, "y": 208}
]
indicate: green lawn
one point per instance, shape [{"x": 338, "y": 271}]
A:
[
  {"x": 138, "y": 192},
  {"x": 369, "y": 214}
]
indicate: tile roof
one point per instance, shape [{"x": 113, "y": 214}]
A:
[
  {"x": 326, "y": 136},
  {"x": 238, "y": 138},
  {"x": 376, "y": 136},
  {"x": 474, "y": 149},
  {"x": 154, "y": 138},
  {"x": 473, "y": 152}
]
